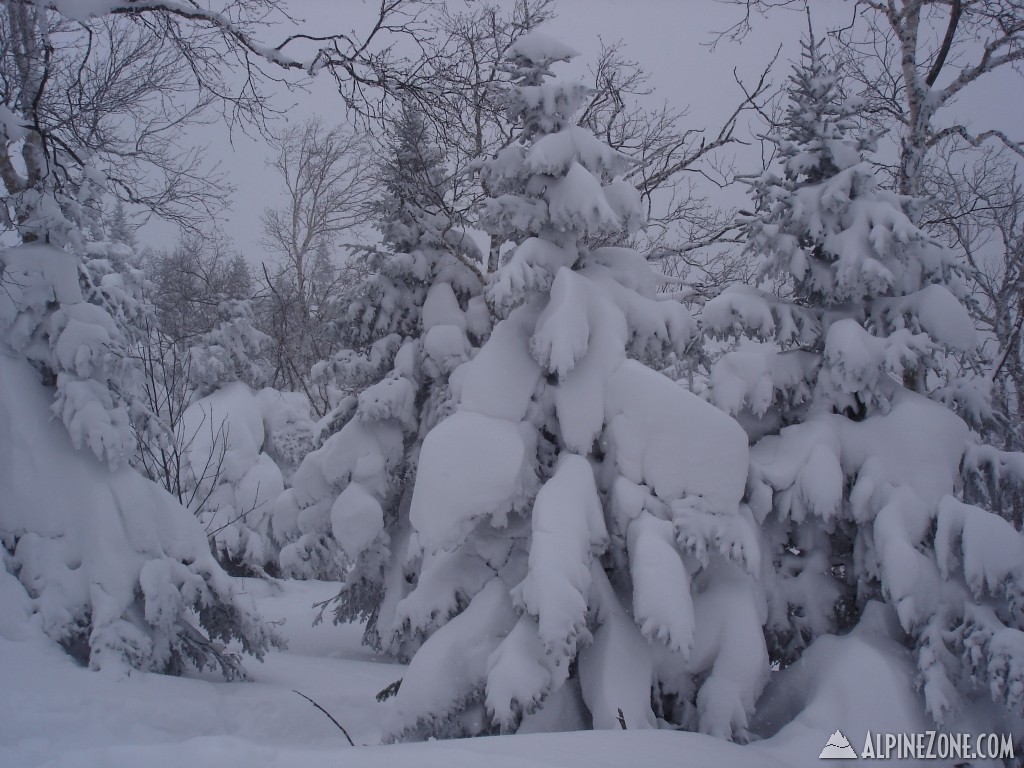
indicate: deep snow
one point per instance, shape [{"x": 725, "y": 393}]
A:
[{"x": 54, "y": 713}]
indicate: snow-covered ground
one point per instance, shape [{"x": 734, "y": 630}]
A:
[{"x": 54, "y": 713}]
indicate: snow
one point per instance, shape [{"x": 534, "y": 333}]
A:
[
  {"x": 541, "y": 48},
  {"x": 532, "y": 268},
  {"x": 568, "y": 527},
  {"x": 45, "y": 318},
  {"x": 363, "y": 452},
  {"x": 656, "y": 323},
  {"x": 943, "y": 317},
  {"x": 471, "y": 466},
  {"x": 739, "y": 307},
  {"x": 662, "y": 605},
  {"x": 856, "y": 361},
  {"x": 548, "y": 106},
  {"x": 501, "y": 380},
  {"x": 393, "y": 397},
  {"x": 66, "y": 716},
  {"x": 757, "y": 379},
  {"x": 454, "y": 661},
  {"x": 83, "y": 333},
  {"x": 919, "y": 443},
  {"x": 806, "y": 459},
  {"x": 446, "y": 583},
  {"x": 990, "y": 549},
  {"x": 447, "y": 346},
  {"x": 563, "y": 329},
  {"x": 259, "y": 489},
  {"x": 111, "y": 561},
  {"x": 92, "y": 419},
  {"x": 478, "y": 317},
  {"x": 616, "y": 669},
  {"x": 356, "y": 519},
  {"x": 361, "y": 449},
  {"x": 910, "y": 577},
  {"x": 577, "y": 201},
  {"x": 288, "y": 425},
  {"x": 580, "y": 397},
  {"x": 672, "y": 441},
  {"x": 230, "y": 475},
  {"x": 514, "y": 212},
  {"x": 11, "y": 125},
  {"x": 729, "y": 653},
  {"x": 229, "y": 419},
  {"x": 442, "y": 308},
  {"x": 553, "y": 154},
  {"x": 51, "y": 274},
  {"x": 518, "y": 674},
  {"x": 625, "y": 200},
  {"x": 861, "y": 682}
]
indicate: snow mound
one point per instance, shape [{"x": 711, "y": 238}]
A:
[{"x": 861, "y": 682}]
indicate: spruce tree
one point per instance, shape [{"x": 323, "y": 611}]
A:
[
  {"x": 576, "y": 546},
  {"x": 858, "y": 463},
  {"x": 120, "y": 229},
  {"x": 412, "y": 321}
]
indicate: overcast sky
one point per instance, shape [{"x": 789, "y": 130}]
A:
[{"x": 668, "y": 37}]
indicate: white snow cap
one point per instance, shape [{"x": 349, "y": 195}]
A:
[{"x": 542, "y": 48}]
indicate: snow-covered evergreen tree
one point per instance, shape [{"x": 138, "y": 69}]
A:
[
  {"x": 234, "y": 350},
  {"x": 117, "y": 570},
  {"x": 844, "y": 249},
  {"x": 858, "y": 483},
  {"x": 71, "y": 315},
  {"x": 412, "y": 322},
  {"x": 217, "y": 440},
  {"x": 577, "y": 547},
  {"x": 119, "y": 227}
]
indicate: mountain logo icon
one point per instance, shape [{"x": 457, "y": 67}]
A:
[{"x": 838, "y": 748}]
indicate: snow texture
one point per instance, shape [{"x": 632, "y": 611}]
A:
[
  {"x": 472, "y": 466},
  {"x": 568, "y": 527},
  {"x": 664, "y": 437},
  {"x": 115, "y": 569}
]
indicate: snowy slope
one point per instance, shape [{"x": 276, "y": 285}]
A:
[{"x": 54, "y": 713}]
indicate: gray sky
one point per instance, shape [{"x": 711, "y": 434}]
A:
[{"x": 668, "y": 37}]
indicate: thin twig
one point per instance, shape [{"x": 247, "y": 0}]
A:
[{"x": 340, "y": 726}]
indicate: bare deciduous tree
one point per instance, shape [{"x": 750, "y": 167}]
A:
[
  {"x": 328, "y": 180},
  {"x": 106, "y": 95},
  {"x": 110, "y": 88},
  {"x": 913, "y": 59},
  {"x": 675, "y": 166},
  {"x": 163, "y": 449},
  {"x": 981, "y": 214}
]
